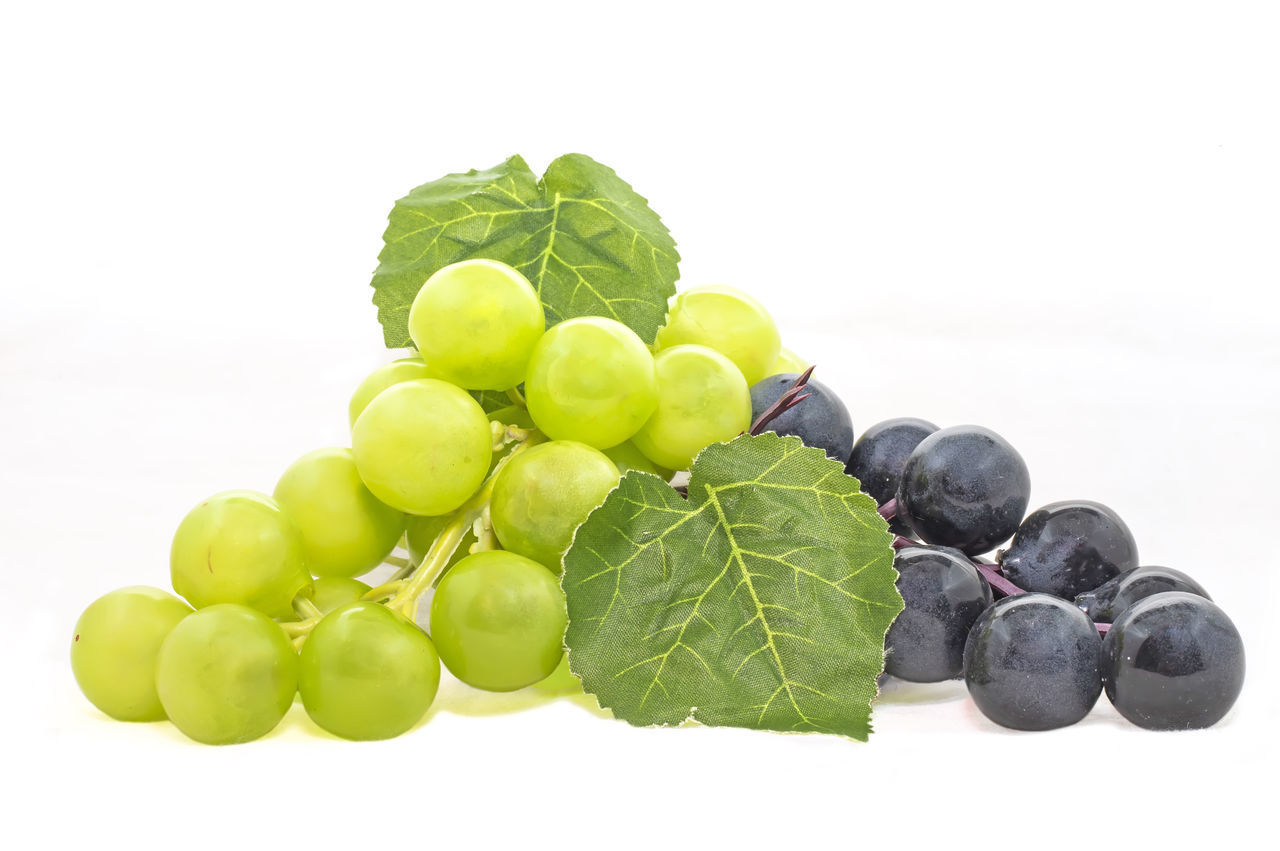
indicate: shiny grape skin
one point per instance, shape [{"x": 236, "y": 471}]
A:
[
  {"x": 1173, "y": 661},
  {"x": 880, "y": 454},
  {"x": 1110, "y": 600},
  {"x": 821, "y": 420},
  {"x": 1069, "y": 547},
  {"x": 944, "y": 595},
  {"x": 1031, "y": 663},
  {"x": 964, "y": 487}
]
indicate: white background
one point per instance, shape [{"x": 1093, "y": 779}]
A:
[{"x": 1059, "y": 223}]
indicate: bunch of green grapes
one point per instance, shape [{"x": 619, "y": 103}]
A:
[{"x": 301, "y": 592}]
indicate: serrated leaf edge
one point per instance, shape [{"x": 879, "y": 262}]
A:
[{"x": 693, "y": 710}]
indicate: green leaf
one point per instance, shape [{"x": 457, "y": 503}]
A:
[
  {"x": 761, "y": 601},
  {"x": 491, "y": 400},
  {"x": 582, "y": 236}
]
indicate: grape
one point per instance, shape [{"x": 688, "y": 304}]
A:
[
  {"x": 226, "y": 674},
  {"x": 1108, "y": 601},
  {"x": 880, "y": 454},
  {"x": 239, "y": 547},
  {"x": 345, "y": 530},
  {"x": 561, "y": 681},
  {"x": 367, "y": 672},
  {"x": 423, "y": 446},
  {"x": 543, "y": 494},
  {"x": 113, "y": 653},
  {"x": 592, "y": 380},
  {"x": 421, "y": 533},
  {"x": 405, "y": 369},
  {"x": 702, "y": 399},
  {"x": 498, "y": 621},
  {"x": 787, "y": 361},
  {"x": 1031, "y": 663},
  {"x": 944, "y": 595},
  {"x": 727, "y": 320},
  {"x": 1173, "y": 661},
  {"x": 475, "y": 324},
  {"x": 821, "y": 420},
  {"x": 964, "y": 487},
  {"x": 1067, "y": 548},
  {"x": 334, "y": 591},
  {"x": 625, "y": 456}
]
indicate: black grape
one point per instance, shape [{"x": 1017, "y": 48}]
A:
[
  {"x": 1109, "y": 600},
  {"x": 1067, "y": 548},
  {"x": 1173, "y": 661},
  {"x": 821, "y": 421},
  {"x": 964, "y": 487},
  {"x": 1031, "y": 663},
  {"x": 879, "y": 456},
  {"x": 944, "y": 595}
]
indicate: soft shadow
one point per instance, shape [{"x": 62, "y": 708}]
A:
[
  {"x": 894, "y": 691},
  {"x": 460, "y": 699},
  {"x": 588, "y": 702}
]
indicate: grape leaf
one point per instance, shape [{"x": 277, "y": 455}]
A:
[
  {"x": 491, "y": 400},
  {"x": 761, "y": 601},
  {"x": 582, "y": 236}
]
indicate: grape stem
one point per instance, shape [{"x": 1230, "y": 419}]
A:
[
  {"x": 990, "y": 572},
  {"x": 788, "y": 400},
  {"x": 402, "y": 570},
  {"x": 385, "y": 591},
  {"x": 504, "y": 435},
  {"x": 305, "y": 608},
  {"x": 516, "y": 396},
  {"x": 486, "y": 538},
  {"x": 397, "y": 562},
  {"x": 298, "y": 629},
  {"x": 436, "y": 561},
  {"x": 889, "y": 510}
]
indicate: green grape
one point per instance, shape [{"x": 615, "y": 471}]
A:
[
  {"x": 727, "y": 320},
  {"x": 405, "y": 369},
  {"x": 498, "y": 621},
  {"x": 421, "y": 532},
  {"x": 423, "y": 446},
  {"x": 787, "y": 361},
  {"x": 592, "y": 380},
  {"x": 475, "y": 323},
  {"x": 544, "y": 493},
  {"x": 334, "y": 591},
  {"x": 625, "y": 456},
  {"x": 113, "y": 653},
  {"x": 367, "y": 673},
  {"x": 346, "y": 530},
  {"x": 702, "y": 399},
  {"x": 226, "y": 674},
  {"x": 239, "y": 547},
  {"x": 560, "y": 681}
]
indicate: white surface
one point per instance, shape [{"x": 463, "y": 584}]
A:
[{"x": 1061, "y": 225}]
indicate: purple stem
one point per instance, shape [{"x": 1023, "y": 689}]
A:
[
  {"x": 996, "y": 579},
  {"x": 889, "y": 510},
  {"x": 990, "y": 572},
  {"x": 789, "y": 399}
]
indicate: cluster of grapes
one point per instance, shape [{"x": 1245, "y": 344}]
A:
[
  {"x": 1025, "y": 630},
  {"x": 486, "y": 503}
]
